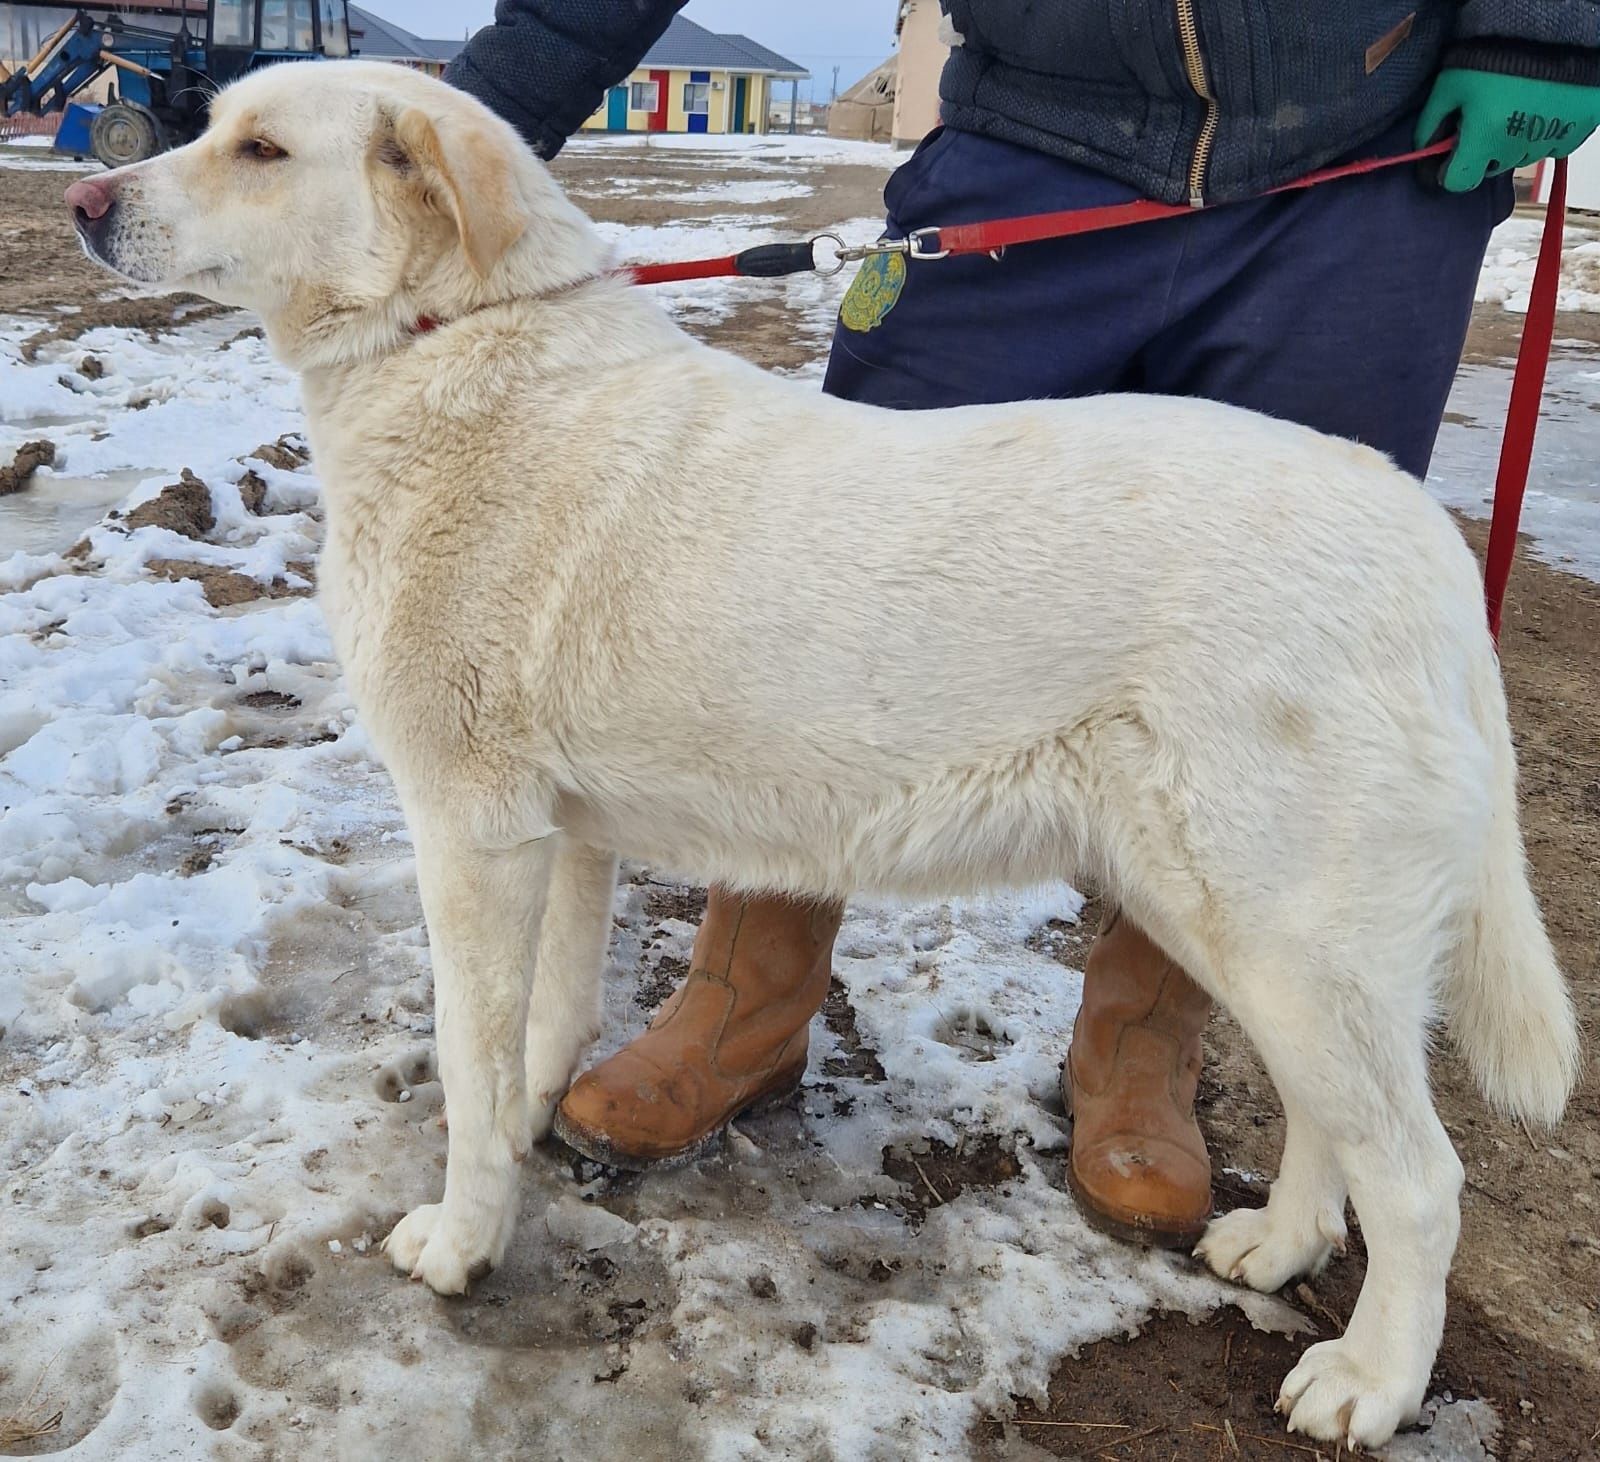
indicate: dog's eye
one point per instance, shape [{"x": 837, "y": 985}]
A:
[{"x": 262, "y": 150}]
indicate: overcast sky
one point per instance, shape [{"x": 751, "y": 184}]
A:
[{"x": 853, "y": 35}]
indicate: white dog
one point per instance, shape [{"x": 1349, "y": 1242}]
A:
[{"x": 1232, "y": 671}]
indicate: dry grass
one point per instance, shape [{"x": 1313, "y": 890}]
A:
[
  {"x": 14, "y": 1429},
  {"x": 29, "y": 1421}
]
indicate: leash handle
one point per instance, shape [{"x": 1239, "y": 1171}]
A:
[{"x": 1522, "y": 417}]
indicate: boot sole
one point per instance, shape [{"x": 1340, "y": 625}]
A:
[
  {"x": 1129, "y": 1228},
  {"x": 597, "y": 1147}
]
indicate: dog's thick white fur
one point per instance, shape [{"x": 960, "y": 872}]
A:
[{"x": 600, "y": 588}]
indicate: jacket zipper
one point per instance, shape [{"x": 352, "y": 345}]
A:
[{"x": 1194, "y": 62}]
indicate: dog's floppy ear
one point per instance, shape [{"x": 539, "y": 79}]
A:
[{"x": 469, "y": 166}]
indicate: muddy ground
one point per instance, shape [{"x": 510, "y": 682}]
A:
[{"x": 1524, "y": 1319}]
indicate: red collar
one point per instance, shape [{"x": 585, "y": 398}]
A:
[{"x": 424, "y": 323}]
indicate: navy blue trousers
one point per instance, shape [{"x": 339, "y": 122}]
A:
[{"x": 1343, "y": 307}]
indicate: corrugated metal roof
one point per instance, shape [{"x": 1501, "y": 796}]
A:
[
  {"x": 378, "y": 39},
  {"x": 691, "y": 47}
]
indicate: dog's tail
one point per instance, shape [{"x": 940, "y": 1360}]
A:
[{"x": 1509, "y": 1009}]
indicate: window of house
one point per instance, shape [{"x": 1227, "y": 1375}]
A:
[
  {"x": 697, "y": 97},
  {"x": 234, "y": 24},
  {"x": 644, "y": 96}
]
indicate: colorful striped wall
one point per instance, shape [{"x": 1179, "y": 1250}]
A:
[{"x": 617, "y": 114}]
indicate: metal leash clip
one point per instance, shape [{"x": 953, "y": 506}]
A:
[{"x": 913, "y": 246}]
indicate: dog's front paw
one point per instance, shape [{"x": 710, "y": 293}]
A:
[
  {"x": 445, "y": 1254},
  {"x": 1334, "y": 1397},
  {"x": 1254, "y": 1246},
  {"x": 410, "y": 1236},
  {"x": 426, "y": 1246}
]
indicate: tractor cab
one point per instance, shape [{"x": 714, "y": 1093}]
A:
[
  {"x": 163, "y": 67},
  {"x": 245, "y": 34}
]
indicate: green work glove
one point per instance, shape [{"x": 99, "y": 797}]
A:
[{"x": 1505, "y": 121}]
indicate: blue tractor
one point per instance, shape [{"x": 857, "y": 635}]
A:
[{"x": 164, "y": 68}]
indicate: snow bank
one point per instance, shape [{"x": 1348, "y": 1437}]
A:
[{"x": 1508, "y": 267}]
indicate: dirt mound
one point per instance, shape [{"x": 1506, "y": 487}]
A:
[
  {"x": 287, "y": 454},
  {"x": 184, "y": 507},
  {"x": 31, "y": 456},
  {"x": 153, "y": 316},
  {"x": 225, "y": 587},
  {"x": 932, "y": 1175},
  {"x": 254, "y": 493}
]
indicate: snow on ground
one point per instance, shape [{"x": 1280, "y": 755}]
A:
[
  {"x": 1561, "y": 512},
  {"x": 754, "y": 191},
  {"x": 216, "y": 1087},
  {"x": 32, "y": 154},
  {"x": 746, "y": 150},
  {"x": 1507, "y": 275}
]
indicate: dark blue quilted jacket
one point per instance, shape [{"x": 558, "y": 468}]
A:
[{"x": 1182, "y": 99}]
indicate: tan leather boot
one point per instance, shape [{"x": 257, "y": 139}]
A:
[
  {"x": 731, "y": 1037},
  {"x": 1138, "y": 1163}
]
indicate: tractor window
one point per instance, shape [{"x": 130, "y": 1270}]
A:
[
  {"x": 335, "y": 34},
  {"x": 234, "y": 23},
  {"x": 286, "y": 25}
]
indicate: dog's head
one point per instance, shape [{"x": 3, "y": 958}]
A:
[{"x": 341, "y": 201}]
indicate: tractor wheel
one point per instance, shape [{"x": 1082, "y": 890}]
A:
[{"x": 125, "y": 132}]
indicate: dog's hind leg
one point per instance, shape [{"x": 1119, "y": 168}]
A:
[
  {"x": 1349, "y": 1057},
  {"x": 1302, "y": 1223},
  {"x": 564, "y": 1012},
  {"x": 484, "y": 909}
]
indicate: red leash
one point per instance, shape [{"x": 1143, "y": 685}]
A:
[
  {"x": 988, "y": 237},
  {"x": 1522, "y": 416},
  {"x": 985, "y": 238},
  {"x": 994, "y": 236}
]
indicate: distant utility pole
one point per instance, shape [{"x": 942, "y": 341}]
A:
[
  {"x": 794, "y": 103},
  {"x": 833, "y": 95}
]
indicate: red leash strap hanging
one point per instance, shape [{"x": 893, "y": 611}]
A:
[{"x": 1527, "y": 389}]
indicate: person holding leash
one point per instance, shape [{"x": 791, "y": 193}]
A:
[{"x": 1343, "y": 307}]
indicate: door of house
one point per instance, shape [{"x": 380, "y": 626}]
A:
[
  {"x": 617, "y": 109},
  {"x": 739, "y": 100},
  {"x": 658, "y": 118}
]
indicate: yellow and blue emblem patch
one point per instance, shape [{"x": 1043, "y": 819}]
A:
[{"x": 873, "y": 292}]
